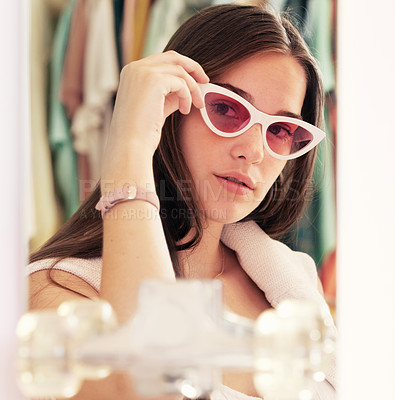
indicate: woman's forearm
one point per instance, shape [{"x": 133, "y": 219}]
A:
[
  {"x": 134, "y": 249},
  {"x": 134, "y": 244}
]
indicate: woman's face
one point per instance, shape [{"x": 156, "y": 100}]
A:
[{"x": 275, "y": 84}]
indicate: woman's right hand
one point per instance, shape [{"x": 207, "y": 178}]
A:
[{"x": 149, "y": 91}]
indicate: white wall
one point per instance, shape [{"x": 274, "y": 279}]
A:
[
  {"x": 366, "y": 199},
  {"x": 13, "y": 97}
]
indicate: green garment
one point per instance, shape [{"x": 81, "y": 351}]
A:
[
  {"x": 317, "y": 32},
  {"x": 318, "y": 35},
  {"x": 324, "y": 202},
  {"x": 165, "y": 18},
  {"x": 60, "y": 138},
  {"x": 316, "y": 232}
]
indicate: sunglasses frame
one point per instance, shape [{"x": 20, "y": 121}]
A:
[{"x": 259, "y": 117}]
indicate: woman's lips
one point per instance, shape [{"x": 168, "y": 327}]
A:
[{"x": 233, "y": 187}]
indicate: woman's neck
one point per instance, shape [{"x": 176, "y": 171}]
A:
[{"x": 206, "y": 260}]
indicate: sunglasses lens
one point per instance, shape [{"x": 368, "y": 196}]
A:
[
  {"x": 286, "y": 139},
  {"x": 225, "y": 113}
]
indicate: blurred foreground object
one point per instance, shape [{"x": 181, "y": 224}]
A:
[{"x": 179, "y": 341}]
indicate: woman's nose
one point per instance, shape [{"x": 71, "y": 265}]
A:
[{"x": 249, "y": 145}]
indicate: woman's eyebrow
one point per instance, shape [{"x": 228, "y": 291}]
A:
[
  {"x": 250, "y": 98},
  {"x": 285, "y": 113},
  {"x": 238, "y": 91}
]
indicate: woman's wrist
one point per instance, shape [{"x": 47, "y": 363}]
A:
[
  {"x": 141, "y": 180},
  {"x": 132, "y": 169},
  {"x": 126, "y": 194}
]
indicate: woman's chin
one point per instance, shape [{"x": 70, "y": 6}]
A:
[{"x": 226, "y": 214}]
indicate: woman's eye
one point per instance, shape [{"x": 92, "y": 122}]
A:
[
  {"x": 279, "y": 130},
  {"x": 223, "y": 109}
]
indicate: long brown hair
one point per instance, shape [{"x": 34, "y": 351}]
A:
[{"x": 217, "y": 38}]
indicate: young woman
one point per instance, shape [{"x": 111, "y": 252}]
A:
[{"x": 217, "y": 137}]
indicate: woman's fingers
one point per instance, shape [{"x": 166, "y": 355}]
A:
[
  {"x": 195, "y": 95},
  {"x": 178, "y": 96},
  {"x": 183, "y": 67},
  {"x": 193, "y": 68},
  {"x": 149, "y": 91}
]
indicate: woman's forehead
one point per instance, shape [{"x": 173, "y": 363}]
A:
[{"x": 272, "y": 82}]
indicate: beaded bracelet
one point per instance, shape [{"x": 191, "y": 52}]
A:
[{"x": 125, "y": 193}]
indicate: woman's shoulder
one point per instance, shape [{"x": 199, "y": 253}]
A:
[
  {"x": 88, "y": 269},
  {"x": 255, "y": 245}
]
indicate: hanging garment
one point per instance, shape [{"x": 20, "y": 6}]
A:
[
  {"x": 44, "y": 213},
  {"x": 60, "y": 138},
  {"x": 118, "y": 21},
  {"x": 166, "y": 16},
  {"x": 278, "y": 4},
  {"x": 127, "y": 31},
  {"x": 297, "y": 9},
  {"x": 324, "y": 201},
  {"x": 71, "y": 88},
  {"x": 142, "y": 8},
  {"x": 134, "y": 28},
  {"x": 91, "y": 120},
  {"x": 164, "y": 20},
  {"x": 316, "y": 232},
  {"x": 318, "y": 34}
]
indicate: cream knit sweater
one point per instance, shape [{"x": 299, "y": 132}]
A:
[{"x": 277, "y": 270}]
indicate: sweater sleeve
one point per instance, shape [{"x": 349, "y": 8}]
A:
[
  {"x": 88, "y": 270},
  {"x": 281, "y": 274}
]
